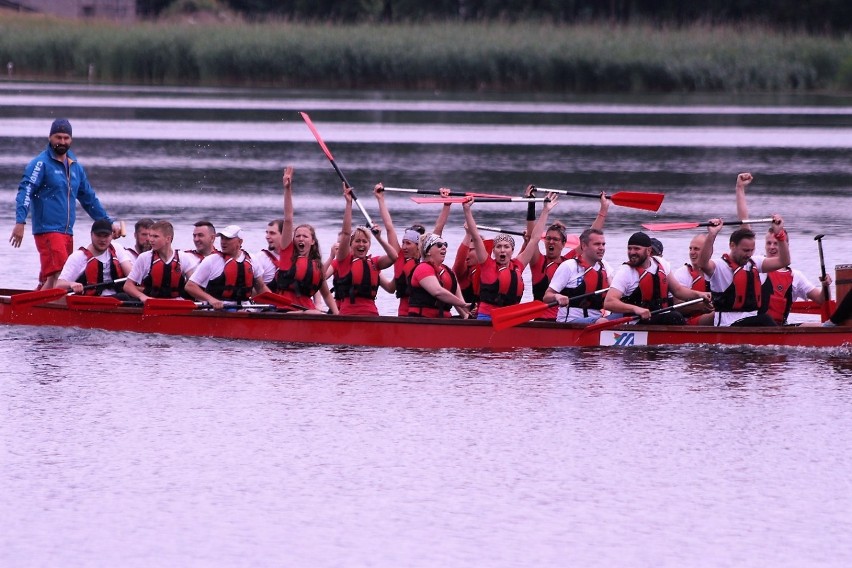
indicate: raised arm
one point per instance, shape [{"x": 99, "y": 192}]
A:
[
  {"x": 475, "y": 237},
  {"x": 783, "y": 258},
  {"x": 287, "y": 230},
  {"x": 460, "y": 262},
  {"x": 704, "y": 259},
  {"x": 599, "y": 221},
  {"x": 743, "y": 181},
  {"x": 346, "y": 231},
  {"x": 526, "y": 255},
  {"x": 392, "y": 254},
  {"x": 443, "y": 215},
  {"x": 379, "y": 192}
]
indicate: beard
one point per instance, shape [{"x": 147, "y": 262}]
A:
[{"x": 60, "y": 149}]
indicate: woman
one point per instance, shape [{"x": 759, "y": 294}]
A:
[
  {"x": 434, "y": 287},
  {"x": 300, "y": 272},
  {"x": 408, "y": 250},
  {"x": 356, "y": 273},
  {"x": 501, "y": 280}
]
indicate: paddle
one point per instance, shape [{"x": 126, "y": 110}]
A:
[
  {"x": 328, "y": 155},
  {"x": 278, "y": 301},
  {"x": 169, "y": 306},
  {"x": 438, "y": 192},
  {"x": 510, "y": 316},
  {"x": 571, "y": 241},
  {"x": 616, "y": 322},
  {"x": 86, "y": 303},
  {"x": 44, "y": 296},
  {"x": 825, "y": 312},
  {"x": 634, "y": 199},
  {"x": 679, "y": 226},
  {"x": 422, "y": 200}
]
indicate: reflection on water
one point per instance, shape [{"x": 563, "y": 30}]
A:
[{"x": 134, "y": 450}]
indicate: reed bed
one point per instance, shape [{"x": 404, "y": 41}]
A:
[{"x": 522, "y": 57}]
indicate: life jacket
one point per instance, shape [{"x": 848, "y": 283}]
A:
[
  {"x": 235, "y": 282},
  {"x": 94, "y": 271},
  {"x": 542, "y": 273},
  {"x": 164, "y": 280},
  {"x": 743, "y": 295},
  {"x": 362, "y": 281},
  {"x": 697, "y": 280},
  {"x": 422, "y": 303},
  {"x": 777, "y": 295},
  {"x": 403, "y": 279},
  {"x": 272, "y": 284},
  {"x": 470, "y": 290},
  {"x": 653, "y": 289},
  {"x": 303, "y": 276},
  {"x": 506, "y": 290},
  {"x": 594, "y": 278}
]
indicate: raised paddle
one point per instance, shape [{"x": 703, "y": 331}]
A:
[
  {"x": 634, "y": 199},
  {"x": 328, "y": 155},
  {"x": 510, "y": 316},
  {"x": 680, "y": 226},
  {"x": 438, "y": 192},
  {"x": 478, "y": 199},
  {"x": 25, "y": 299},
  {"x": 616, "y": 322},
  {"x": 826, "y": 308}
]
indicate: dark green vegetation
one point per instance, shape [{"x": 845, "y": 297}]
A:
[{"x": 522, "y": 57}]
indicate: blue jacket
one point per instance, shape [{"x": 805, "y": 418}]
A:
[{"x": 53, "y": 191}]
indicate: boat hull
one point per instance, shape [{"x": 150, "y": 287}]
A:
[{"x": 386, "y": 331}]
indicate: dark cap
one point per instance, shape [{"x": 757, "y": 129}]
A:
[
  {"x": 640, "y": 239},
  {"x": 102, "y": 226},
  {"x": 656, "y": 247},
  {"x": 60, "y": 125}
]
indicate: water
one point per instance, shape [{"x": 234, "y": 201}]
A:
[{"x": 124, "y": 449}]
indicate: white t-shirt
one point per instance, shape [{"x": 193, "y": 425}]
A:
[
  {"x": 569, "y": 274},
  {"x": 214, "y": 265},
  {"x": 75, "y": 265},
  {"x": 267, "y": 265},
  {"x": 142, "y": 266},
  {"x": 626, "y": 278},
  {"x": 721, "y": 280},
  {"x": 683, "y": 276}
]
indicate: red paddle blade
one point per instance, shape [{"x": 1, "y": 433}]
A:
[
  {"x": 806, "y": 307},
  {"x": 571, "y": 241},
  {"x": 510, "y": 316},
  {"x": 92, "y": 302},
  {"x": 608, "y": 324},
  {"x": 274, "y": 299},
  {"x": 637, "y": 200},
  {"x": 669, "y": 226},
  {"x": 167, "y": 306},
  {"x": 316, "y": 134},
  {"x": 25, "y": 299}
]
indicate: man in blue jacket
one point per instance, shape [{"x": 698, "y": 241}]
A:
[{"x": 52, "y": 184}]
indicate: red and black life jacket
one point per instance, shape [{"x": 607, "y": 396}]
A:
[
  {"x": 653, "y": 289},
  {"x": 235, "y": 282},
  {"x": 94, "y": 271},
  {"x": 506, "y": 290},
  {"x": 422, "y": 303},
  {"x": 470, "y": 289},
  {"x": 164, "y": 280},
  {"x": 362, "y": 281},
  {"x": 697, "y": 280},
  {"x": 272, "y": 284},
  {"x": 403, "y": 280},
  {"x": 777, "y": 295},
  {"x": 743, "y": 295},
  {"x": 542, "y": 274},
  {"x": 303, "y": 276},
  {"x": 594, "y": 278}
]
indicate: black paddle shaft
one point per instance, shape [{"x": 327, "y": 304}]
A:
[{"x": 825, "y": 291}]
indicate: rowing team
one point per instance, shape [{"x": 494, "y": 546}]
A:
[{"x": 578, "y": 286}]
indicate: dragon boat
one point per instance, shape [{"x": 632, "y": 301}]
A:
[{"x": 391, "y": 331}]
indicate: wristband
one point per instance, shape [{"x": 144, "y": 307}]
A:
[
  {"x": 531, "y": 211},
  {"x": 781, "y": 235}
]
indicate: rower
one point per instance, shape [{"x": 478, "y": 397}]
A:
[
  {"x": 581, "y": 275},
  {"x": 735, "y": 280},
  {"x": 140, "y": 235},
  {"x": 203, "y": 237},
  {"x": 434, "y": 287},
  {"x": 690, "y": 275},
  {"x": 228, "y": 274},
  {"x": 268, "y": 258},
  {"x": 642, "y": 284},
  {"x": 98, "y": 263},
  {"x": 162, "y": 271}
]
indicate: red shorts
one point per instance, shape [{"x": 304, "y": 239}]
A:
[{"x": 53, "y": 250}]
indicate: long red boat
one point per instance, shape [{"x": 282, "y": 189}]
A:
[{"x": 387, "y": 331}]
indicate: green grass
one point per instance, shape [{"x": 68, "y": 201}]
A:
[{"x": 524, "y": 57}]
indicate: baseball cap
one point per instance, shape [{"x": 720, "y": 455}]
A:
[
  {"x": 230, "y": 232},
  {"x": 656, "y": 246},
  {"x": 102, "y": 226}
]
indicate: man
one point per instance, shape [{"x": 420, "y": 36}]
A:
[
  {"x": 52, "y": 184},
  {"x": 588, "y": 272},
  {"x": 140, "y": 234},
  {"x": 226, "y": 275},
  {"x": 203, "y": 237},
  {"x": 267, "y": 258},
  {"x": 98, "y": 263},
  {"x": 735, "y": 280},
  {"x": 690, "y": 275},
  {"x": 780, "y": 287},
  {"x": 160, "y": 272},
  {"x": 642, "y": 285}
]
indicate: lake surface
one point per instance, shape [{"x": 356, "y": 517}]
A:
[{"x": 132, "y": 450}]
